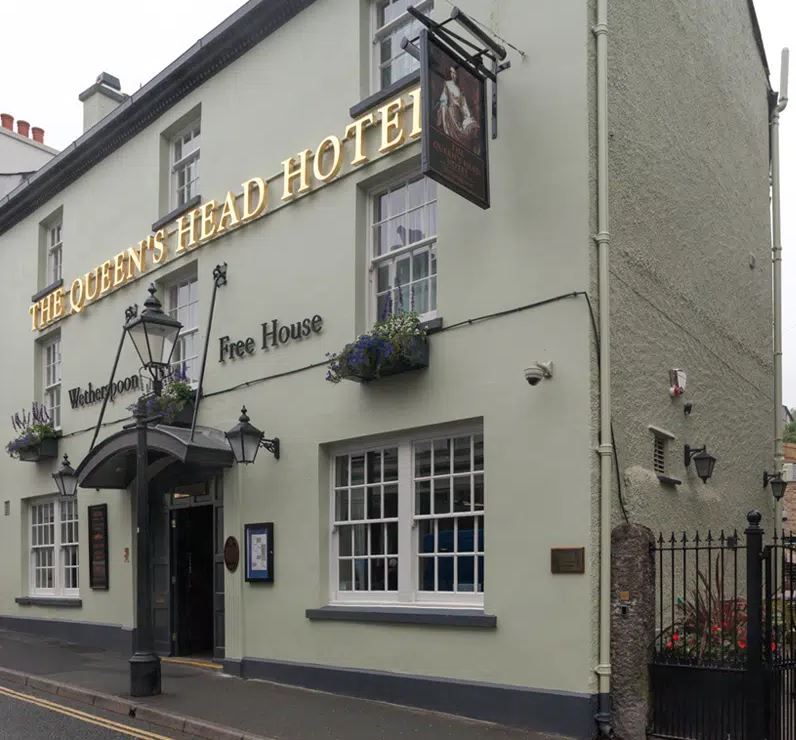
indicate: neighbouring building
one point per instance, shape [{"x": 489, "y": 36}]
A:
[
  {"x": 286, "y": 144},
  {"x": 22, "y": 152}
]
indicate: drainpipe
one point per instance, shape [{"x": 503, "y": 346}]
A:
[
  {"x": 605, "y": 448},
  {"x": 776, "y": 259}
]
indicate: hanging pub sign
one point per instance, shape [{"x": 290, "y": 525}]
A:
[{"x": 454, "y": 141}]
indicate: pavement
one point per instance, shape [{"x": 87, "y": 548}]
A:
[{"x": 201, "y": 702}]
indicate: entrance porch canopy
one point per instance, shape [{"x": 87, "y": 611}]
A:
[{"x": 174, "y": 459}]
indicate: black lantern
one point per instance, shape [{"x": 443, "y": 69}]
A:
[
  {"x": 154, "y": 335},
  {"x": 778, "y": 485},
  {"x": 703, "y": 461},
  {"x": 65, "y": 479},
  {"x": 245, "y": 440}
]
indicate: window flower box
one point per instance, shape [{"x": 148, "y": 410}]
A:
[
  {"x": 396, "y": 345},
  {"x": 36, "y": 438},
  {"x": 44, "y": 449}
]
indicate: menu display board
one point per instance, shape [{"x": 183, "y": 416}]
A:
[{"x": 98, "y": 546}]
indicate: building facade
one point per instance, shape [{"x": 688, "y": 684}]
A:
[
  {"x": 22, "y": 152},
  {"x": 414, "y": 518}
]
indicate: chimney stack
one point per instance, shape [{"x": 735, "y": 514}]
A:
[
  {"x": 100, "y": 99},
  {"x": 38, "y": 134},
  {"x": 7, "y": 121},
  {"x": 23, "y": 128}
]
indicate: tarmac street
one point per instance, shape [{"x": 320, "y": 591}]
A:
[{"x": 34, "y": 715}]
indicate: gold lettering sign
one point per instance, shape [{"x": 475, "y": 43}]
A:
[{"x": 301, "y": 173}]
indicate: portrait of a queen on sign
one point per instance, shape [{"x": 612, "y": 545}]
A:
[{"x": 454, "y": 145}]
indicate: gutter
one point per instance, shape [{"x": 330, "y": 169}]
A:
[
  {"x": 776, "y": 266},
  {"x": 605, "y": 449}
]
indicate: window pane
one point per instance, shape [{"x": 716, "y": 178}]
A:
[
  {"x": 461, "y": 455},
  {"x": 478, "y": 492},
  {"x": 425, "y": 574},
  {"x": 376, "y": 539},
  {"x": 426, "y": 536},
  {"x": 445, "y": 574},
  {"x": 345, "y": 575},
  {"x": 390, "y": 501},
  {"x": 442, "y": 497},
  {"x": 442, "y": 457},
  {"x": 423, "y": 497},
  {"x": 461, "y": 493},
  {"x": 361, "y": 574},
  {"x": 374, "y": 467},
  {"x": 445, "y": 535},
  {"x": 344, "y": 536},
  {"x": 465, "y": 535},
  {"x": 465, "y": 573},
  {"x": 422, "y": 459},
  {"x": 478, "y": 442},
  {"x": 392, "y": 539},
  {"x": 360, "y": 539},
  {"x": 392, "y": 574},
  {"x": 341, "y": 470},
  {"x": 357, "y": 469},
  {"x": 391, "y": 464},
  {"x": 374, "y": 502},
  {"x": 377, "y": 574},
  {"x": 357, "y": 504}
]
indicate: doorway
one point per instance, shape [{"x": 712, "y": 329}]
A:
[{"x": 192, "y": 540}]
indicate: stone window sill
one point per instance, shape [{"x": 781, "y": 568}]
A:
[
  {"x": 169, "y": 217},
  {"x": 432, "y": 326},
  {"x": 667, "y": 480},
  {"x": 382, "y": 96},
  {"x": 475, "y": 618},
  {"x": 58, "y": 601},
  {"x": 47, "y": 290}
]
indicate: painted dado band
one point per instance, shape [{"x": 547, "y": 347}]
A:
[{"x": 300, "y": 174}]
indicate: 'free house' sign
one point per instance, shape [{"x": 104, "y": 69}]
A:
[{"x": 274, "y": 334}]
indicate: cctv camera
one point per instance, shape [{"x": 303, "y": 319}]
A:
[{"x": 538, "y": 372}]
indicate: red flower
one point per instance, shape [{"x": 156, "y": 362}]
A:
[
  {"x": 716, "y": 628},
  {"x": 773, "y": 647},
  {"x": 742, "y": 644},
  {"x": 676, "y": 637},
  {"x": 669, "y": 644}
]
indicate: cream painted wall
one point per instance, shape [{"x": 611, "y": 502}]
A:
[{"x": 308, "y": 258}]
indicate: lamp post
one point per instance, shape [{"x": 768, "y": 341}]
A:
[
  {"x": 245, "y": 440},
  {"x": 778, "y": 485},
  {"x": 154, "y": 336}
]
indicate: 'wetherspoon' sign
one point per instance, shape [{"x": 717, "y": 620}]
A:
[{"x": 307, "y": 170}]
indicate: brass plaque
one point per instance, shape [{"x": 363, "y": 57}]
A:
[{"x": 568, "y": 560}]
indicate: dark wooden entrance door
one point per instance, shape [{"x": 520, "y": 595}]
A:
[
  {"x": 188, "y": 570},
  {"x": 193, "y": 588}
]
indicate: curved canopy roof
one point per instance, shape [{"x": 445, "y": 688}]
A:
[{"x": 174, "y": 459}]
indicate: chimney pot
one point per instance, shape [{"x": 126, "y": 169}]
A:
[
  {"x": 23, "y": 128},
  {"x": 38, "y": 134},
  {"x": 7, "y": 121}
]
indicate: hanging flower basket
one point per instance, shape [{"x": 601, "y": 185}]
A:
[
  {"x": 396, "y": 345},
  {"x": 36, "y": 438}
]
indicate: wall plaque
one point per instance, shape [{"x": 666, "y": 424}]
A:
[
  {"x": 98, "y": 547},
  {"x": 568, "y": 560},
  {"x": 231, "y": 554}
]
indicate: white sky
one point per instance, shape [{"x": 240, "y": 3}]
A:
[{"x": 53, "y": 50}]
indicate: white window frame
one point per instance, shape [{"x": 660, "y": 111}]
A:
[
  {"x": 54, "y": 387},
  {"x": 408, "y": 593},
  {"x": 55, "y": 268},
  {"x": 374, "y": 261},
  {"x": 172, "y": 289},
  {"x": 60, "y": 546},
  {"x": 379, "y": 32},
  {"x": 177, "y": 165}
]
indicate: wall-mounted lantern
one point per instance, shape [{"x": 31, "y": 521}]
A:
[
  {"x": 703, "y": 461},
  {"x": 778, "y": 485},
  {"x": 65, "y": 479},
  {"x": 245, "y": 440}
]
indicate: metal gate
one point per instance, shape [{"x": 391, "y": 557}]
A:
[
  {"x": 780, "y": 637},
  {"x": 724, "y": 664}
]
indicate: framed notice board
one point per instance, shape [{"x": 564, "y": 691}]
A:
[{"x": 98, "y": 547}]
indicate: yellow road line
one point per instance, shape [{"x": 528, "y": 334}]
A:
[
  {"x": 82, "y": 716},
  {"x": 193, "y": 662}
]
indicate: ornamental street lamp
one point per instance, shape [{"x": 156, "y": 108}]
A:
[
  {"x": 703, "y": 461},
  {"x": 778, "y": 485},
  {"x": 65, "y": 479},
  {"x": 245, "y": 440},
  {"x": 154, "y": 335}
]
